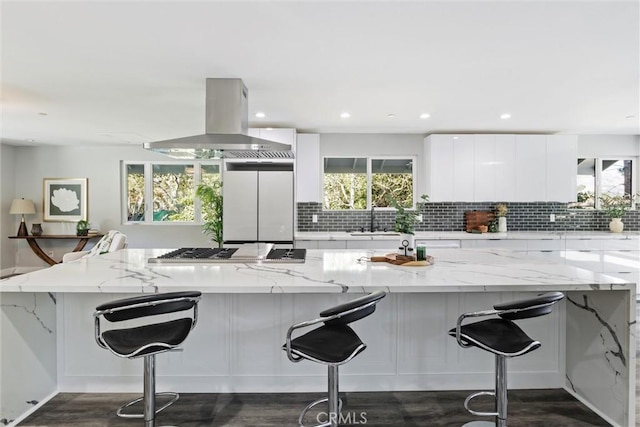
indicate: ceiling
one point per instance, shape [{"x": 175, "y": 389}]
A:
[{"x": 124, "y": 72}]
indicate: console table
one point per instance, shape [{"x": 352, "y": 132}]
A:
[{"x": 33, "y": 243}]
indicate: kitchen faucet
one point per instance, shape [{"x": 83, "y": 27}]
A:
[{"x": 373, "y": 218}]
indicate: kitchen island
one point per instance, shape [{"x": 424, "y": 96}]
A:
[{"x": 588, "y": 342}]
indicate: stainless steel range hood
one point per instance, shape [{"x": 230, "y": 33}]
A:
[{"x": 226, "y": 127}]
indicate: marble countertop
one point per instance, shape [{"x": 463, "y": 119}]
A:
[
  {"x": 325, "y": 271},
  {"x": 461, "y": 235}
]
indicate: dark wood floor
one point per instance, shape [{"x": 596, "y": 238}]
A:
[{"x": 529, "y": 408}]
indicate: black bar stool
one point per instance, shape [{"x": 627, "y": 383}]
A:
[
  {"x": 502, "y": 337},
  {"x": 147, "y": 340},
  {"x": 332, "y": 344}
]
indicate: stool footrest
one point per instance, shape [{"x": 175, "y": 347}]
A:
[
  {"x": 121, "y": 414},
  {"x": 311, "y": 405},
  {"x": 473, "y": 396}
]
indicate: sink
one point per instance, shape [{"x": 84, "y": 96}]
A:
[{"x": 378, "y": 233}]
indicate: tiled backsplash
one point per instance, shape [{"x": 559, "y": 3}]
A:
[{"x": 449, "y": 216}]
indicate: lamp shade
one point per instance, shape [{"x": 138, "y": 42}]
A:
[{"x": 22, "y": 206}]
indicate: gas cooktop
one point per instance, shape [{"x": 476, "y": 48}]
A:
[{"x": 249, "y": 254}]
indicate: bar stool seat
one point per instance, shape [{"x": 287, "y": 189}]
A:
[
  {"x": 148, "y": 339},
  {"x": 502, "y": 337},
  {"x": 332, "y": 344}
]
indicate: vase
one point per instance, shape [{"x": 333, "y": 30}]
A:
[
  {"x": 36, "y": 229},
  {"x": 502, "y": 224},
  {"x": 616, "y": 225},
  {"x": 406, "y": 244}
]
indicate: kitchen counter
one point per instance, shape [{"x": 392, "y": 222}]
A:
[
  {"x": 461, "y": 235},
  {"x": 325, "y": 271},
  {"x": 588, "y": 341}
]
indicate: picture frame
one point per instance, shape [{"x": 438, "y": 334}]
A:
[{"x": 64, "y": 199}]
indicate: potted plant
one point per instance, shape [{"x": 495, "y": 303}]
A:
[
  {"x": 615, "y": 206},
  {"x": 501, "y": 212},
  {"x": 211, "y": 198},
  {"x": 405, "y": 224},
  {"x": 82, "y": 228}
]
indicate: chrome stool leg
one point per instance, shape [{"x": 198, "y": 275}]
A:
[
  {"x": 333, "y": 400},
  {"x": 500, "y": 399},
  {"x": 149, "y": 395}
]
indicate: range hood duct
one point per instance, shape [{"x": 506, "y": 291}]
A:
[{"x": 226, "y": 127}]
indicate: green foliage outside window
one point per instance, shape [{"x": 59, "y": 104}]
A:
[{"x": 345, "y": 191}]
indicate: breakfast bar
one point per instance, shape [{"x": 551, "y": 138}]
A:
[{"x": 588, "y": 342}]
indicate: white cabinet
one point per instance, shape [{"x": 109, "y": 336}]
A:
[
  {"x": 308, "y": 174},
  {"x": 463, "y": 166},
  {"x": 504, "y": 159},
  {"x": 562, "y": 165},
  {"x": 506, "y": 168},
  {"x": 439, "y": 170},
  {"x": 494, "y": 168},
  {"x": 283, "y": 135},
  {"x": 531, "y": 155}
]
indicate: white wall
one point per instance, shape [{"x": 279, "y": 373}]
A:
[
  {"x": 370, "y": 144},
  {"x": 102, "y": 168},
  {"x": 8, "y": 224}
]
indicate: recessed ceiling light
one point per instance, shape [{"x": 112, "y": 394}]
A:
[
  {"x": 455, "y": 137},
  {"x": 269, "y": 129},
  {"x": 425, "y": 115},
  {"x": 260, "y": 115},
  {"x": 391, "y": 116},
  {"x": 505, "y": 116},
  {"x": 345, "y": 115}
]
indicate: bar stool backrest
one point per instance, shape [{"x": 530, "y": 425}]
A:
[
  {"x": 148, "y": 305},
  {"x": 353, "y": 310},
  {"x": 531, "y": 307}
]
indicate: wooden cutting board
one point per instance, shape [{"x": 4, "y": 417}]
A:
[
  {"x": 405, "y": 261},
  {"x": 476, "y": 220}
]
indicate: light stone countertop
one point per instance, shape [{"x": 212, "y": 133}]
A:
[
  {"x": 461, "y": 235},
  {"x": 325, "y": 271}
]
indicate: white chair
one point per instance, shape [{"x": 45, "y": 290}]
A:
[{"x": 110, "y": 242}]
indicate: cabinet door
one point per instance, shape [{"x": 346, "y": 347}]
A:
[
  {"x": 484, "y": 168},
  {"x": 439, "y": 150},
  {"x": 240, "y": 216},
  {"x": 275, "y": 206},
  {"x": 308, "y": 176},
  {"x": 504, "y": 168},
  {"x": 283, "y": 135},
  {"x": 531, "y": 168},
  {"x": 463, "y": 168},
  {"x": 562, "y": 157}
]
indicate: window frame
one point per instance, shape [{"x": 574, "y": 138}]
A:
[
  {"x": 598, "y": 180},
  {"x": 369, "y": 173},
  {"x": 148, "y": 190}
]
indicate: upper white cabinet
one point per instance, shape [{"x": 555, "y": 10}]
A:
[
  {"x": 509, "y": 168},
  {"x": 308, "y": 175},
  {"x": 283, "y": 135},
  {"x": 531, "y": 157},
  {"x": 562, "y": 167}
]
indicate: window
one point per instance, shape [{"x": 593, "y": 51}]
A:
[
  {"x": 352, "y": 183},
  {"x": 603, "y": 176},
  {"x": 164, "y": 192}
]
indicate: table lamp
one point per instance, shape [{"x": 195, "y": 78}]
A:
[{"x": 22, "y": 207}]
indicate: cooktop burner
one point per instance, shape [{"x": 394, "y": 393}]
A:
[
  {"x": 200, "y": 253},
  {"x": 287, "y": 254},
  {"x": 230, "y": 255}
]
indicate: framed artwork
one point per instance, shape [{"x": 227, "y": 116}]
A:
[{"x": 65, "y": 199}]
